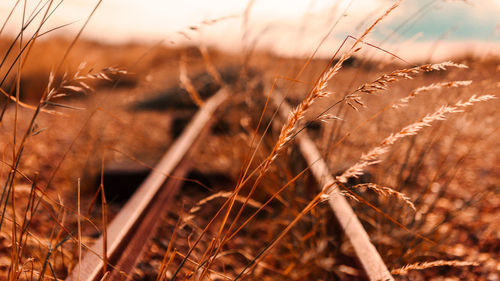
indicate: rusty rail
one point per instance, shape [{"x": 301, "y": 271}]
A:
[
  {"x": 366, "y": 252},
  {"x": 126, "y": 235},
  {"x": 145, "y": 203}
]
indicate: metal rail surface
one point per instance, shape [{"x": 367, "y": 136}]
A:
[
  {"x": 124, "y": 226},
  {"x": 366, "y": 252}
]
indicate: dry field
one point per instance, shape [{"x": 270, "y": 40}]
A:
[{"x": 413, "y": 147}]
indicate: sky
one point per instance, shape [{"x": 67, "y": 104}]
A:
[{"x": 418, "y": 29}]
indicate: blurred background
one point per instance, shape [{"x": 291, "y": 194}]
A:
[{"x": 417, "y": 30}]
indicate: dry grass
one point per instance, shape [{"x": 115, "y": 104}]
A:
[{"x": 416, "y": 148}]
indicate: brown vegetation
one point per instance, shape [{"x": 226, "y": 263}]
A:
[{"x": 414, "y": 149}]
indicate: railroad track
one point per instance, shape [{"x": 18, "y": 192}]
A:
[
  {"x": 367, "y": 254},
  {"x": 138, "y": 219}
]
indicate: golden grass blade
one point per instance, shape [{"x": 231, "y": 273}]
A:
[
  {"x": 430, "y": 264},
  {"x": 365, "y": 250},
  {"x": 373, "y": 156}
]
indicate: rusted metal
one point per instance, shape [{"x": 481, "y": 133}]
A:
[
  {"x": 126, "y": 225},
  {"x": 132, "y": 252},
  {"x": 366, "y": 252}
]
